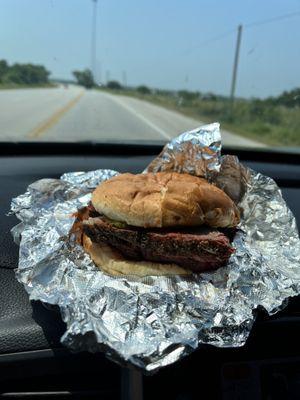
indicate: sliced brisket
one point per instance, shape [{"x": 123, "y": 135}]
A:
[{"x": 195, "y": 249}]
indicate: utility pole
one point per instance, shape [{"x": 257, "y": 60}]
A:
[
  {"x": 235, "y": 64},
  {"x": 93, "y": 39}
]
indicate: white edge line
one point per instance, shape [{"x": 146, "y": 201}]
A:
[{"x": 140, "y": 116}]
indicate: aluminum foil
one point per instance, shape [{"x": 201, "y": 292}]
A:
[{"x": 154, "y": 321}]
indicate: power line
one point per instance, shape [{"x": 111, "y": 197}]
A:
[
  {"x": 211, "y": 40},
  {"x": 231, "y": 31},
  {"x": 249, "y": 25},
  {"x": 269, "y": 20}
]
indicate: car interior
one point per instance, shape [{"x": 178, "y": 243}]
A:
[
  {"x": 103, "y": 84},
  {"x": 33, "y": 363}
]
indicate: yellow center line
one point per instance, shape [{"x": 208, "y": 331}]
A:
[{"x": 49, "y": 122}]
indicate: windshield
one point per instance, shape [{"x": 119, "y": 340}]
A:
[{"x": 88, "y": 70}]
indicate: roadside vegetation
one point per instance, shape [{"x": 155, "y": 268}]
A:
[
  {"x": 23, "y": 75},
  {"x": 274, "y": 120},
  {"x": 84, "y": 78}
]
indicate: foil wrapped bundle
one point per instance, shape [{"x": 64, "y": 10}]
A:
[{"x": 154, "y": 321}]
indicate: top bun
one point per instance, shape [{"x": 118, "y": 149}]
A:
[{"x": 164, "y": 200}]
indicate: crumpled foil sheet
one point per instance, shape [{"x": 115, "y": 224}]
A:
[
  {"x": 198, "y": 154},
  {"x": 154, "y": 321}
]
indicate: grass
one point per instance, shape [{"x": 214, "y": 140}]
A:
[
  {"x": 259, "y": 120},
  {"x": 26, "y": 86}
]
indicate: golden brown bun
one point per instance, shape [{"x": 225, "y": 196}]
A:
[
  {"x": 163, "y": 200},
  {"x": 113, "y": 263}
]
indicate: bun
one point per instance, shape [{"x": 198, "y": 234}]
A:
[
  {"x": 164, "y": 200},
  {"x": 112, "y": 262}
]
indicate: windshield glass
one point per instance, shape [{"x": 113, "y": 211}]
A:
[{"x": 107, "y": 70}]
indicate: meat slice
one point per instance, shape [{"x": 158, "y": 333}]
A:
[{"x": 195, "y": 249}]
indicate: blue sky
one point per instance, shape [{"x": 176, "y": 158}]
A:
[{"x": 159, "y": 43}]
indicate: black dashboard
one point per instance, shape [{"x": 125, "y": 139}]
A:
[{"x": 32, "y": 360}]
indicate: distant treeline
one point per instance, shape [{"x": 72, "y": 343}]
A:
[
  {"x": 23, "y": 74},
  {"x": 289, "y": 99},
  {"x": 274, "y": 120}
]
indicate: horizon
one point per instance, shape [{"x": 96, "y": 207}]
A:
[{"x": 58, "y": 35}]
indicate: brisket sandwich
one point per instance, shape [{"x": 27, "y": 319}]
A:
[{"x": 163, "y": 223}]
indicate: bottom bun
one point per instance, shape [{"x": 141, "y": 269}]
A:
[{"x": 112, "y": 262}]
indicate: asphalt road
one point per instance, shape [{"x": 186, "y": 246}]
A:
[{"x": 76, "y": 114}]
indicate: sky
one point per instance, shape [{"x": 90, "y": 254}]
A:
[{"x": 165, "y": 44}]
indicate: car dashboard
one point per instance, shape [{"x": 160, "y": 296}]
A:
[{"x": 33, "y": 363}]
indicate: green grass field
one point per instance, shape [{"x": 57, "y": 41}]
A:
[
  {"x": 26, "y": 86},
  {"x": 275, "y": 125}
]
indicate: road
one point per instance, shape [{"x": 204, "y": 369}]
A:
[{"x": 76, "y": 114}]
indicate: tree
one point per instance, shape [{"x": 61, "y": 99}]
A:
[
  {"x": 288, "y": 98},
  {"x": 3, "y": 69},
  {"x": 143, "y": 89},
  {"x": 114, "y": 85},
  {"x": 188, "y": 96},
  {"x": 84, "y": 78},
  {"x": 23, "y": 73}
]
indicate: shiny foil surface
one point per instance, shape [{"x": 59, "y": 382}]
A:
[{"x": 154, "y": 321}]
